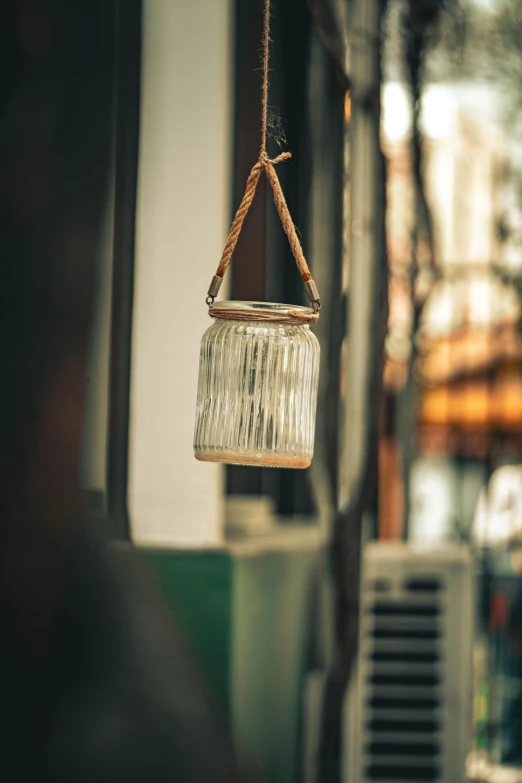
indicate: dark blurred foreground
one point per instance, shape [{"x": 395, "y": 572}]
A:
[{"x": 97, "y": 684}]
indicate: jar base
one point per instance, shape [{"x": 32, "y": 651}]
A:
[{"x": 265, "y": 460}]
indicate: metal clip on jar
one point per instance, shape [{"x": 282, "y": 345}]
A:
[{"x": 257, "y": 389}]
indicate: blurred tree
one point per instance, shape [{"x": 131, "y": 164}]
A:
[
  {"x": 483, "y": 44},
  {"x": 412, "y": 37}
]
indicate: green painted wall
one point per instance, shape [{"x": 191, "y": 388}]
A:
[
  {"x": 247, "y": 620},
  {"x": 198, "y": 587},
  {"x": 270, "y": 634}
]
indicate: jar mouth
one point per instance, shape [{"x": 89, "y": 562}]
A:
[{"x": 265, "y": 307}]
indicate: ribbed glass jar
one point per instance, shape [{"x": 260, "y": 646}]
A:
[{"x": 257, "y": 389}]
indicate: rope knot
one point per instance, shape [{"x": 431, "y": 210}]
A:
[{"x": 265, "y": 161}]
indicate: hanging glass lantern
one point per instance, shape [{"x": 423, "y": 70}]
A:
[
  {"x": 257, "y": 389},
  {"x": 259, "y": 362}
]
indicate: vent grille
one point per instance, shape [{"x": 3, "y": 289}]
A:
[
  {"x": 402, "y": 688},
  {"x": 410, "y": 749},
  {"x": 398, "y": 609},
  {"x": 402, "y": 772},
  {"x": 412, "y": 605}
]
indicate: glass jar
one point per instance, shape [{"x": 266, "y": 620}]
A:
[{"x": 257, "y": 388}]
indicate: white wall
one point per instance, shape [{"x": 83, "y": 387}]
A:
[{"x": 182, "y": 221}]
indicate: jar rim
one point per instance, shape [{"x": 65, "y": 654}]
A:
[{"x": 266, "y": 307}]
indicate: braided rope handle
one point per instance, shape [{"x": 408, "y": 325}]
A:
[{"x": 266, "y": 165}]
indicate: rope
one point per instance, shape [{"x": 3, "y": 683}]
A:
[
  {"x": 241, "y": 213},
  {"x": 266, "y": 165},
  {"x": 264, "y": 92}
]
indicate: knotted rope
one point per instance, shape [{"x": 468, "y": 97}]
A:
[{"x": 265, "y": 165}]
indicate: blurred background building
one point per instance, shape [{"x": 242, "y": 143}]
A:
[{"x": 450, "y": 450}]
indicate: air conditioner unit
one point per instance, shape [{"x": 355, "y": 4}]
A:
[{"x": 410, "y": 704}]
